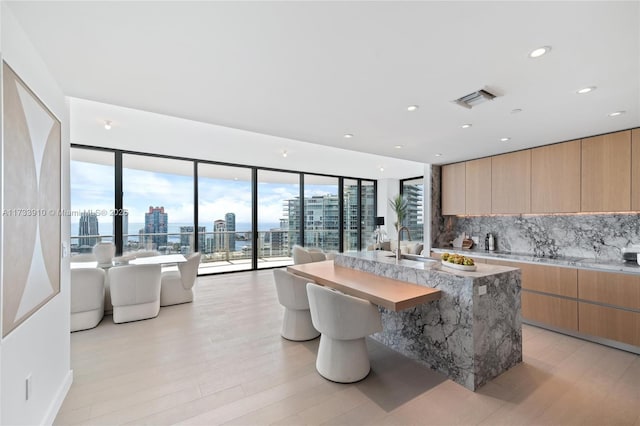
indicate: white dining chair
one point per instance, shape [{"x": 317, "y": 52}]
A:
[
  {"x": 87, "y": 298},
  {"x": 177, "y": 286},
  {"x": 292, "y": 294},
  {"x": 135, "y": 292},
  {"x": 344, "y": 322}
]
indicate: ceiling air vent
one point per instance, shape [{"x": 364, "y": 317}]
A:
[{"x": 475, "y": 98}]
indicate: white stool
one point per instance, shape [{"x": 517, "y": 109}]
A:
[
  {"x": 292, "y": 294},
  {"x": 344, "y": 322}
]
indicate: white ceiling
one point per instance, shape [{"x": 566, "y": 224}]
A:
[{"x": 313, "y": 71}]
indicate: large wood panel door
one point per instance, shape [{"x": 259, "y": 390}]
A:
[
  {"x": 511, "y": 182},
  {"x": 478, "y": 186},
  {"x": 635, "y": 170},
  {"x": 606, "y": 173},
  {"x": 555, "y": 178},
  {"x": 453, "y": 189}
]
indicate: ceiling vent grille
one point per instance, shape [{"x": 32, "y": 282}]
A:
[{"x": 475, "y": 98}]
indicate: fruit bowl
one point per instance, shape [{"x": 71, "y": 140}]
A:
[
  {"x": 459, "y": 267},
  {"x": 457, "y": 261}
]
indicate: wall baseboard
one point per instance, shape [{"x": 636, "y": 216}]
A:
[{"x": 56, "y": 404}]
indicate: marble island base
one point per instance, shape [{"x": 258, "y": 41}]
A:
[{"x": 469, "y": 336}]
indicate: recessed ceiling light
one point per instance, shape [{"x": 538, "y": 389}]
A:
[
  {"x": 466, "y": 126},
  {"x": 348, "y": 135},
  {"x": 397, "y": 146},
  {"x": 505, "y": 139},
  {"x": 284, "y": 153},
  {"x": 586, "y": 90},
  {"x": 438, "y": 155},
  {"x": 617, "y": 113},
  {"x": 381, "y": 169},
  {"x": 536, "y": 53},
  {"x": 107, "y": 124},
  {"x": 516, "y": 110},
  {"x": 412, "y": 107}
]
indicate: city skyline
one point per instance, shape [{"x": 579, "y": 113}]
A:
[{"x": 92, "y": 190}]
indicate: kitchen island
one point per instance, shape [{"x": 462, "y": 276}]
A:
[{"x": 472, "y": 333}]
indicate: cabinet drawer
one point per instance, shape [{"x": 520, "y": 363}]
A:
[
  {"x": 610, "y": 323},
  {"x": 610, "y": 288},
  {"x": 546, "y": 279},
  {"x": 550, "y": 310}
]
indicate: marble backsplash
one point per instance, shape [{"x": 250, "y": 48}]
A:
[{"x": 592, "y": 236}]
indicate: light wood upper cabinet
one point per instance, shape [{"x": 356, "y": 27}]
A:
[
  {"x": 555, "y": 178},
  {"x": 478, "y": 186},
  {"x": 606, "y": 173},
  {"x": 635, "y": 169},
  {"x": 453, "y": 189},
  {"x": 511, "y": 182}
]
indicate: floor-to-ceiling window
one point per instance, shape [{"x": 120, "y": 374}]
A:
[
  {"x": 279, "y": 211},
  {"x": 412, "y": 191},
  {"x": 239, "y": 217},
  {"x": 321, "y": 212},
  {"x": 350, "y": 216},
  {"x": 157, "y": 193},
  {"x": 225, "y": 220},
  {"x": 92, "y": 199},
  {"x": 367, "y": 213}
]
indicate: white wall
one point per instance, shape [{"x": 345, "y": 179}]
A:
[
  {"x": 388, "y": 189},
  {"x": 40, "y": 345}
]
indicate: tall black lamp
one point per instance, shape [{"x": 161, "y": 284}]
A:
[{"x": 379, "y": 222}]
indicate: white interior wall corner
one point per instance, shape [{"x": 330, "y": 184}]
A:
[{"x": 40, "y": 346}]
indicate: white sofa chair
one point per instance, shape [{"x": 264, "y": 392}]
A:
[
  {"x": 104, "y": 253},
  {"x": 177, "y": 286},
  {"x": 408, "y": 247},
  {"x": 344, "y": 322},
  {"x": 303, "y": 255},
  {"x": 292, "y": 294},
  {"x": 135, "y": 292},
  {"x": 87, "y": 298}
]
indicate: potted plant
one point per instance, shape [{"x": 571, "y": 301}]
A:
[{"x": 399, "y": 206}]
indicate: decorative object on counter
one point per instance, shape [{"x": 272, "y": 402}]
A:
[
  {"x": 457, "y": 261},
  {"x": 630, "y": 253},
  {"x": 486, "y": 242},
  {"x": 467, "y": 243},
  {"x": 457, "y": 243},
  {"x": 399, "y": 206},
  {"x": 492, "y": 242}
]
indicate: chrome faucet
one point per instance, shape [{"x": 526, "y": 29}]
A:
[{"x": 398, "y": 251}]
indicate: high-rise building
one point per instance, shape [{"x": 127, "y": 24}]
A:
[
  {"x": 414, "y": 219},
  {"x": 88, "y": 229},
  {"x": 220, "y": 237},
  {"x": 186, "y": 238},
  {"x": 156, "y": 226},
  {"x": 230, "y": 222},
  {"x": 321, "y": 220}
]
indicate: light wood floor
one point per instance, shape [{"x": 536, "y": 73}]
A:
[{"x": 221, "y": 360}]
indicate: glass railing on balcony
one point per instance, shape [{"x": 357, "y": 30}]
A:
[{"x": 221, "y": 251}]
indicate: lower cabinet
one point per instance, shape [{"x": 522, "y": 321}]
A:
[
  {"x": 610, "y": 323},
  {"x": 593, "y": 303},
  {"x": 550, "y": 310}
]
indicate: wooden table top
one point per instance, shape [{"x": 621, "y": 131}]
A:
[{"x": 392, "y": 294}]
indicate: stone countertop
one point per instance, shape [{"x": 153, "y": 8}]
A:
[
  {"x": 389, "y": 258},
  {"x": 569, "y": 262}
]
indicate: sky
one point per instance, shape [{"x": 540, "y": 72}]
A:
[{"x": 92, "y": 188}]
